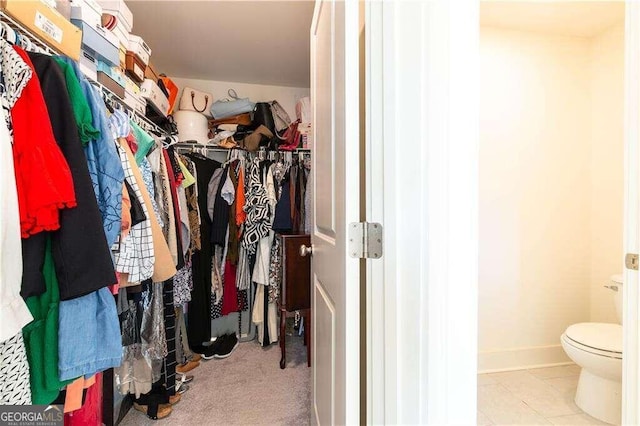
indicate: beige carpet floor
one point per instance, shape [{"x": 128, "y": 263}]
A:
[{"x": 248, "y": 388}]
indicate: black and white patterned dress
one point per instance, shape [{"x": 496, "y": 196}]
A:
[{"x": 14, "y": 368}]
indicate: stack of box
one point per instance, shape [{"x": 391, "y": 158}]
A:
[
  {"x": 99, "y": 45},
  {"x": 46, "y": 23}
]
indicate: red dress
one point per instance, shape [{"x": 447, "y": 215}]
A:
[{"x": 43, "y": 177}]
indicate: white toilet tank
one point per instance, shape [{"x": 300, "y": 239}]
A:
[{"x": 616, "y": 284}]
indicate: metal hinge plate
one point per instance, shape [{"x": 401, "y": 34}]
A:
[
  {"x": 631, "y": 261},
  {"x": 365, "y": 240}
]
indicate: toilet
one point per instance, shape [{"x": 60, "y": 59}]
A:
[{"x": 597, "y": 348}]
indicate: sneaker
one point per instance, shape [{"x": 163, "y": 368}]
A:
[
  {"x": 211, "y": 350},
  {"x": 184, "y": 378},
  {"x": 228, "y": 345}
]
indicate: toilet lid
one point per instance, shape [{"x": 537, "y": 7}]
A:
[{"x": 605, "y": 337}]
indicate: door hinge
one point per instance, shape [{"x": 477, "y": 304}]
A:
[
  {"x": 631, "y": 261},
  {"x": 365, "y": 240}
]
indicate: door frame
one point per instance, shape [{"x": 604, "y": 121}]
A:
[
  {"x": 631, "y": 293},
  {"x": 421, "y": 177},
  {"x": 422, "y": 315}
]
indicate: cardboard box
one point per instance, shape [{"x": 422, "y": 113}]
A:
[
  {"x": 119, "y": 9},
  {"x": 95, "y": 40},
  {"x": 108, "y": 82},
  {"x": 87, "y": 64},
  {"x": 155, "y": 97},
  {"x": 87, "y": 11},
  {"x": 139, "y": 48},
  {"x": 135, "y": 68},
  {"x": 115, "y": 73},
  {"x": 133, "y": 98},
  {"x": 123, "y": 56},
  {"x": 46, "y": 23},
  {"x": 64, "y": 7},
  {"x": 151, "y": 72}
]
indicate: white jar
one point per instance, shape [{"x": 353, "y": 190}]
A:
[{"x": 192, "y": 126}]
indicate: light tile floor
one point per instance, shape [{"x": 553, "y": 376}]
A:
[{"x": 539, "y": 396}]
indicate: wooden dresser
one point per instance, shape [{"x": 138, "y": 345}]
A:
[{"x": 295, "y": 294}]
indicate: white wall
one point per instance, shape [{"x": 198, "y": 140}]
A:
[
  {"x": 287, "y": 96},
  {"x": 607, "y": 174},
  {"x": 535, "y": 198}
]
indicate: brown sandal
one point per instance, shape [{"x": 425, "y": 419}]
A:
[
  {"x": 154, "y": 412},
  {"x": 174, "y": 399}
]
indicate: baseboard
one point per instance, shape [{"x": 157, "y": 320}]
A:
[{"x": 493, "y": 361}]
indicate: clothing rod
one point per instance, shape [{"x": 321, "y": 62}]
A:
[
  {"x": 42, "y": 47},
  {"x": 197, "y": 146}
]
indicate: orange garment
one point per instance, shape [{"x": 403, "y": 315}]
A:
[
  {"x": 73, "y": 401},
  {"x": 241, "y": 215},
  {"x": 125, "y": 225}
]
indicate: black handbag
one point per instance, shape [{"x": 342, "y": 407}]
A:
[{"x": 262, "y": 116}]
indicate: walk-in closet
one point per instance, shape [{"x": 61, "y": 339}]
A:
[{"x": 157, "y": 161}]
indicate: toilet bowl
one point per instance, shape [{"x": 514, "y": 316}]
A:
[{"x": 597, "y": 349}]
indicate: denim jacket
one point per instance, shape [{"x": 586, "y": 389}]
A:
[{"x": 103, "y": 160}]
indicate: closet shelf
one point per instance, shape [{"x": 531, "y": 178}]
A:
[
  {"x": 30, "y": 41},
  {"x": 197, "y": 147}
]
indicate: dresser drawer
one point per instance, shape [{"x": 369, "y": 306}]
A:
[{"x": 296, "y": 274}]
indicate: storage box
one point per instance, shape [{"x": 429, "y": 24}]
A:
[
  {"x": 133, "y": 98},
  {"x": 139, "y": 48},
  {"x": 154, "y": 96},
  {"x": 123, "y": 56},
  {"x": 135, "y": 67},
  {"x": 87, "y": 11},
  {"x": 151, "y": 73},
  {"x": 64, "y": 7},
  {"x": 120, "y": 10},
  {"x": 115, "y": 73},
  {"x": 110, "y": 83},
  {"x": 46, "y": 23},
  {"x": 95, "y": 40},
  {"x": 87, "y": 64},
  {"x": 123, "y": 35}
]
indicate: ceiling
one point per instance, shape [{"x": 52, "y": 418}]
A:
[
  {"x": 569, "y": 18},
  {"x": 260, "y": 42}
]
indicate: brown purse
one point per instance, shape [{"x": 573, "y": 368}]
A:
[{"x": 241, "y": 119}]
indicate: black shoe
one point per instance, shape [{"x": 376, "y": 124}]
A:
[
  {"x": 228, "y": 345},
  {"x": 215, "y": 347}
]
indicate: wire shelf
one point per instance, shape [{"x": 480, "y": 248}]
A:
[{"x": 30, "y": 41}]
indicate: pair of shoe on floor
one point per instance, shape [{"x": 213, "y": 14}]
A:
[
  {"x": 192, "y": 363},
  {"x": 157, "y": 404},
  {"x": 222, "y": 347}
]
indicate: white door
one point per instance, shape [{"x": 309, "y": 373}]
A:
[{"x": 335, "y": 275}]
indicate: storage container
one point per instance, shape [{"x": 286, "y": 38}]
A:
[
  {"x": 139, "y": 48},
  {"x": 192, "y": 126},
  {"x": 123, "y": 35},
  {"x": 87, "y": 11},
  {"x": 154, "y": 96},
  {"x": 173, "y": 91},
  {"x": 109, "y": 80},
  {"x": 47, "y": 24},
  {"x": 120, "y": 10},
  {"x": 133, "y": 98},
  {"x": 115, "y": 73},
  {"x": 64, "y": 7},
  {"x": 87, "y": 64},
  {"x": 134, "y": 67},
  {"x": 95, "y": 40},
  {"x": 123, "y": 56},
  {"x": 151, "y": 73}
]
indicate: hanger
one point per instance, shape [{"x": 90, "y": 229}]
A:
[{"x": 169, "y": 141}]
